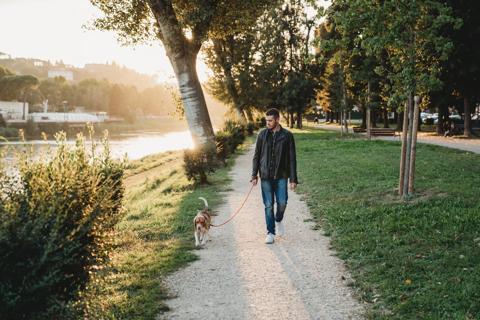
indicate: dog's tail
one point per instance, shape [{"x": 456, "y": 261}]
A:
[{"x": 204, "y": 201}]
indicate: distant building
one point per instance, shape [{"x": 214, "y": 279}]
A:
[
  {"x": 13, "y": 111},
  {"x": 67, "y": 117},
  {"x": 67, "y": 74}
]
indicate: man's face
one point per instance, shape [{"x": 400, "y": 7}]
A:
[{"x": 272, "y": 122}]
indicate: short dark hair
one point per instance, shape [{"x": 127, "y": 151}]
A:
[{"x": 273, "y": 112}]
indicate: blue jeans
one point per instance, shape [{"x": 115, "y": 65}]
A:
[{"x": 274, "y": 190}]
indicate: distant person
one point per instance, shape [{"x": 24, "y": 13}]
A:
[
  {"x": 275, "y": 160},
  {"x": 315, "y": 120}
]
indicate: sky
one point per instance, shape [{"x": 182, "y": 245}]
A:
[{"x": 52, "y": 30}]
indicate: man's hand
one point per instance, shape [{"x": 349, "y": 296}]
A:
[
  {"x": 293, "y": 185},
  {"x": 254, "y": 181}
]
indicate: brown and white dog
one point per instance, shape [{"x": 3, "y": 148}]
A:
[{"x": 201, "y": 223}]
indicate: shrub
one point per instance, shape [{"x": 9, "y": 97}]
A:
[
  {"x": 57, "y": 221},
  {"x": 200, "y": 162},
  {"x": 223, "y": 141},
  {"x": 237, "y": 132},
  {"x": 8, "y": 132}
]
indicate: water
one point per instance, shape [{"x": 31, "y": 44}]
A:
[{"x": 135, "y": 145}]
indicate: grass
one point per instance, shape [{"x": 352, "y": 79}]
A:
[
  {"x": 156, "y": 235},
  {"x": 418, "y": 259}
]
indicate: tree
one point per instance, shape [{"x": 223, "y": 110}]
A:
[
  {"x": 409, "y": 34},
  {"x": 182, "y": 26},
  {"x": 461, "y": 72}
]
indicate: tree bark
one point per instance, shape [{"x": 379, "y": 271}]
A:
[
  {"x": 467, "y": 130},
  {"x": 409, "y": 144},
  {"x": 364, "y": 118},
  {"x": 403, "y": 154},
  {"x": 400, "y": 121},
  {"x": 413, "y": 153},
  {"x": 182, "y": 53},
  {"x": 220, "y": 49},
  {"x": 249, "y": 114},
  {"x": 194, "y": 104},
  {"x": 385, "y": 118},
  {"x": 299, "y": 120},
  {"x": 368, "y": 118},
  {"x": 292, "y": 121}
]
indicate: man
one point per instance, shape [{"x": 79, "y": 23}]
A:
[{"x": 276, "y": 161}]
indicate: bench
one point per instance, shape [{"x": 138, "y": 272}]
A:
[
  {"x": 382, "y": 132},
  {"x": 359, "y": 130}
]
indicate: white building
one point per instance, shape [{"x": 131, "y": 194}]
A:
[
  {"x": 61, "y": 73},
  {"x": 14, "y": 111},
  {"x": 65, "y": 117}
]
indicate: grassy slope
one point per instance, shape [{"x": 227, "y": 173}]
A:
[
  {"x": 156, "y": 235},
  {"x": 413, "y": 260}
]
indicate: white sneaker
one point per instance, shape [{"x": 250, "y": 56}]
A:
[
  {"x": 279, "y": 228},
  {"x": 270, "y": 238}
]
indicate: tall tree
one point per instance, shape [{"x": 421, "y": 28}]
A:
[{"x": 182, "y": 26}]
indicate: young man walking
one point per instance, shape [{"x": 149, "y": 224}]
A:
[{"x": 275, "y": 159}]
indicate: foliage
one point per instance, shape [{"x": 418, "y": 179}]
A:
[
  {"x": 58, "y": 215},
  {"x": 198, "y": 163}
]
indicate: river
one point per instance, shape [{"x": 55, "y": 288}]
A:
[{"x": 135, "y": 145}]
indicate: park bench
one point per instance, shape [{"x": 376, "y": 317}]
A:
[
  {"x": 359, "y": 130},
  {"x": 382, "y": 132}
]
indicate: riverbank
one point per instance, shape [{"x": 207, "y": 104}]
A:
[
  {"x": 155, "y": 237},
  {"x": 411, "y": 260}
]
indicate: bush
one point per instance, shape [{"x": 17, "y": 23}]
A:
[
  {"x": 57, "y": 221},
  {"x": 223, "y": 141},
  {"x": 200, "y": 162},
  {"x": 237, "y": 132},
  {"x": 8, "y": 132}
]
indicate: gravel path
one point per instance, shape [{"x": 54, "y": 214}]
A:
[
  {"x": 240, "y": 277},
  {"x": 472, "y": 145}
]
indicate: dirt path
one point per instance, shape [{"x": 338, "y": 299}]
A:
[
  {"x": 472, "y": 145},
  {"x": 240, "y": 277}
]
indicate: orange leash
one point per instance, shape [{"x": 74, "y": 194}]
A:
[{"x": 233, "y": 216}]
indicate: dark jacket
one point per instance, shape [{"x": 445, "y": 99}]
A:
[{"x": 284, "y": 155}]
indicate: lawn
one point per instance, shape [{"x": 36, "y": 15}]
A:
[
  {"x": 418, "y": 259},
  {"x": 156, "y": 236}
]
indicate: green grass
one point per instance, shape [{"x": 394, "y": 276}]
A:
[
  {"x": 156, "y": 235},
  {"x": 410, "y": 260}
]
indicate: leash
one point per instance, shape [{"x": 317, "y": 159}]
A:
[{"x": 238, "y": 210}]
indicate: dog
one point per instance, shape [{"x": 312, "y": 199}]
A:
[{"x": 201, "y": 223}]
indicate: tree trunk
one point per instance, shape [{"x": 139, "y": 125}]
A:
[
  {"x": 368, "y": 118},
  {"x": 292, "y": 121},
  {"x": 403, "y": 154},
  {"x": 409, "y": 145},
  {"x": 337, "y": 117},
  {"x": 467, "y": 131},
  {"x": 182, "y": 53},
  {"x": 364, "y": 118},
  {"x": 287, "y": 119},
  {"x": 442, "y": 115},
  {"x": 219, "y": 46},
  {"x": 194, "y": 104},
  {"x": 249, "y": 115},
  {"x": 385, "y": 118},
  {"x": 299, "y": 120},
  {"x": 413, "y": 153},
  {"x": 400, "y": 121}
]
